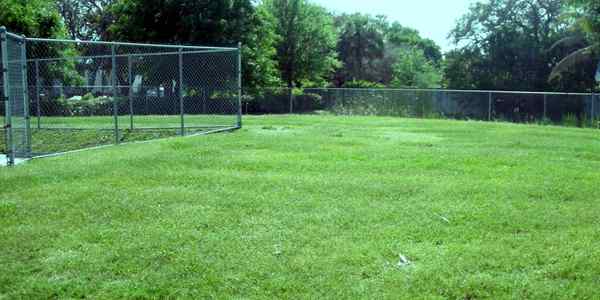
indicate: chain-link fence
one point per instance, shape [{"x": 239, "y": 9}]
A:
[
  {"x": 66, "y": 95},
  {"x": 572, "y": 109}
]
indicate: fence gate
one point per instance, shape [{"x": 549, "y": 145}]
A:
[{"x": 15, "y": 95}]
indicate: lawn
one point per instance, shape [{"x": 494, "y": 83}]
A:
[
  {"x": 61, "y": 134},
  {"x": 312, "y": 207}
]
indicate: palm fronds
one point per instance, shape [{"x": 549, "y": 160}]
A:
[{"x": 580, "y": 56}]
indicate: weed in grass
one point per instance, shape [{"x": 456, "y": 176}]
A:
[
  {"x": 546, "y": 121},
  {"x": 338, "y": 135},
  {"x": 570, "y": 120}
]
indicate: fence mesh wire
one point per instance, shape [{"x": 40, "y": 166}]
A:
[
  {"x": 79, "y": 94},
  {"x": 61, "y": 95},
  {"x": 571, "y": 109},
  {"x": 14, "y": 78}
]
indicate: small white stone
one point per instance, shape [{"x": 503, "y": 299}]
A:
[{"x": 404, "y": 262}]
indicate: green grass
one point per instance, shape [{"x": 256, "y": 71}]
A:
[
  {"x": 140, "y": 121},
  {"x": 61, "y": 134},
  {"x": 45, "y": 141},
  {"x": 312, "y": 207}
]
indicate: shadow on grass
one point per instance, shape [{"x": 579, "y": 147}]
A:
[{"x": 48, "y": 141}]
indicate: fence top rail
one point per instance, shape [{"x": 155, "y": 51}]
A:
[
  {"x": 15, "y": 36},
  {"x": 132, "y": 55},
  {"x": 446, "y": 90},
  {"x": 129, "y": 44}
]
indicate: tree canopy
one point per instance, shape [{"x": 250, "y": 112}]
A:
[
  {"x": 499, "y": 44},
  {"x": 204, "y": 22},
  {"x": 507, "y": 45},
  {"x": 86, "y": 19},
  {"x": 306, "y": 41},
  {"x": 373, "y": 49},
  {"x": 361, "y": 47},
  {"x": 34, "y": 18}
]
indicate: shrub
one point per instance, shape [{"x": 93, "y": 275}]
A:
[
  {"x": 362, "y": 84},
  {"x": 570, "y": 120},
  {"x": 86, "y": 105},
  {"x": 308, "y": 102}
]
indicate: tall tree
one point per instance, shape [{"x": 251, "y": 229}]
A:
[
  {"x": 584, "y": 41},
  {"x": 466, "y": 69},
  {"x": 410, "y": 60},
  {"x": 41, "y": 19},
  {"x": 306, "y": 48},
  {"x": 414, "y": 69},
  {"x": 34, "y": 18},
  {"x": 506, "y": 42},
  {"x": 205, "y": 22},
  {"x": 86, "y": 19},
  {"x": 401, "y": 36},
  {"x": 360, "y": 46},
  {"x": 373, "y": 49}
]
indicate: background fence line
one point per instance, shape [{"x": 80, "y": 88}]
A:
[
  {"x": 573, "y": 109},
  {"x": 87, "y": 94}
]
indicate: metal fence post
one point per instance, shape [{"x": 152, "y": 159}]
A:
[
  {"x": 423, "y": 113},
  {"x": 594, "y": 110},
  {"x": 330, "y": 103},
  {"x": 130, "y": 93},
  {"x": 37, "y": 94},
  {"x": 204, "y": 98},
  {"x": 341, "y": 99},
  {"x": 489, "y": 106},
  {"x": 24, "y": 86},
  {"x": 115, "y": 92},
  {"x": 384, "y": 107},
  {"x": 415, "y": 100},
  {"x": 10, "y": 154},
  {"x": 239, "y": 63},
  {"x": 291, "y": 96},
  {"x": 180, "y": 84},
  {"x": 545, "y": 107}
]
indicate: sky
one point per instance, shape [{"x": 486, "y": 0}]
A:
[{"x": 432, "y": 18}]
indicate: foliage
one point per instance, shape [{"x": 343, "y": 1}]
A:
[
  {"x": 504, "y": 44},
  {"x": 294, "y": 42},
  {"x": 370, "y": 47},
  {"x": 307, "y": 102},
  {"x": 465, "y": 69},
  {"x": 361, "y": 46},
  {"x": 205, "y": 22},
  {"x": 585, "y": 15},
  {"x": 86, "y": 19},
  {"x": 33, "y": 18},
  {"x": 260, "y": 55},
  {"x": 363, "y": 84},
  {"x": 413, "y": 69},
  {"x": 307, "y": 40},
  {"x": 64, "y": 70},
  {"x": 87, "y": 105},
  {"x": 401, "y": 36},
  {"x": 41, "y": 18},
  {"x": 269, "y": 101},
  {"x": 570, "y": 120}
]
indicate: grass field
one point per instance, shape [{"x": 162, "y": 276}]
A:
[
  {"x": 312, "y": 207},
  {"x": 61, "y": 134}
]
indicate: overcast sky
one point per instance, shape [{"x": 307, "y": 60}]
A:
[{"x": 432, "y": 18}]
